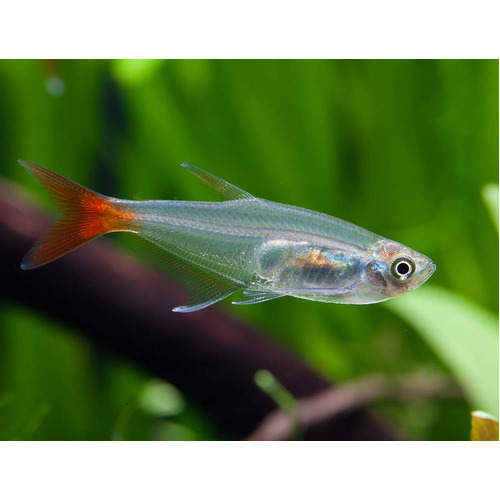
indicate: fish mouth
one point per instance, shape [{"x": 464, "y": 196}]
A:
[{"x": 427, "y": 272}]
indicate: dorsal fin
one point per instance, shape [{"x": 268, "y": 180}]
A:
[{"x": 226, "y": 190}]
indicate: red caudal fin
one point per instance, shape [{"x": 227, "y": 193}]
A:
[{"x": 85, "y": 216}]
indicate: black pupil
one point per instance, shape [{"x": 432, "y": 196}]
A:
[{"x": 403, "y": 268}]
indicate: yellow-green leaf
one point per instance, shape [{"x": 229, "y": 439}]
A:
[{"x": 484, "y": 427}]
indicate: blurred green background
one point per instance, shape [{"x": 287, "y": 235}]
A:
[{"x": 407, "y": 149}]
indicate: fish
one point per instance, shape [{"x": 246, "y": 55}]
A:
[{"x": 265, "y": 249}]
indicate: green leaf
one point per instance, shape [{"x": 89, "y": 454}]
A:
[
  {"x": 134, "y": 71},
  {"x": 161, "y": 399},
  {"x": 490, "y": 197},
  {"x": 463, "y": 334},
  {"x": 484, "y": 427},
  {"x": 265, "y": 381}
]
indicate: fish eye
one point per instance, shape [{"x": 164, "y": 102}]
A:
[{"x": 402, "y": 268}]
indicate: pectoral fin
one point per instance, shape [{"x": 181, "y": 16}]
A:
[{"x": 225, "y": 190}]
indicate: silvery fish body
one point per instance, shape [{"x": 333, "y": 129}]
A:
[{"x": 266, "y": 249}]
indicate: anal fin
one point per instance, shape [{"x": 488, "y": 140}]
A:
[
  {"x": 256, "y": 296},
  {"x": 204, "y": 297},
  {"x": 204, "y": 287}
]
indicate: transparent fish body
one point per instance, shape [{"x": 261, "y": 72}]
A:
[{"x": 266, "y": 249}]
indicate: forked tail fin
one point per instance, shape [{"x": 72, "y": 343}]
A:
[{"x": 85, "y": 216}]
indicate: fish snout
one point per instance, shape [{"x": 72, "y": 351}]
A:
[{"x": 427, "y": 268}]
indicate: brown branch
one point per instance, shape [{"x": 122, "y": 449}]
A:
[
  {"x": 333, "y": 402},
  {"x": 117, "y": 302}
]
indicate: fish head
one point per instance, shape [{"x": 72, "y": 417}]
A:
[{"x": 396, "y": 269}]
